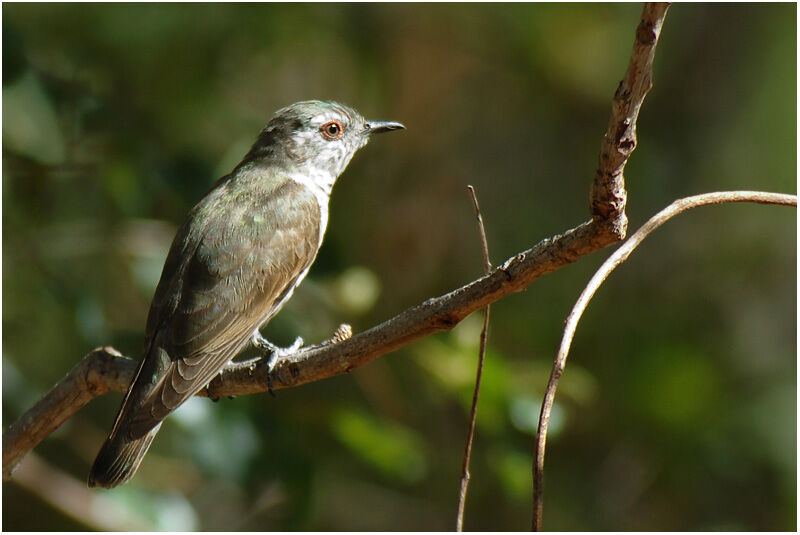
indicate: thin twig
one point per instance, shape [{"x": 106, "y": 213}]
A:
[
  {"x": 619, "y": 256},
  {"x": 608, "y": 195},
  {"x": 487, "y": 266},
  {"x": 487, "y": 263}
]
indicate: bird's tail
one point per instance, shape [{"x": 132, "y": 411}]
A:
[{"x": 119, "y": 458}]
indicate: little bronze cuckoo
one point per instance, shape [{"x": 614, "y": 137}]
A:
[{"x": 233, "y": 264}]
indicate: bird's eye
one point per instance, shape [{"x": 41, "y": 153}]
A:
[{"x": 332, "y": 130}]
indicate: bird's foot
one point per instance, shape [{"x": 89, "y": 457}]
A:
[{"x": 276, "y": 354}]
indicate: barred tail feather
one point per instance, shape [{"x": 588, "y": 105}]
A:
[{"x": 119, "y": 458}]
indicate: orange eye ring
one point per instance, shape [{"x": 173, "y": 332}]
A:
[{"x": 332, "y": 130}]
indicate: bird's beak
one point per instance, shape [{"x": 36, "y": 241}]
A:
[{"x": 376, "y": 127}]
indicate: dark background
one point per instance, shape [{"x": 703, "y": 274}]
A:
[{"x": 677, "y": 410}]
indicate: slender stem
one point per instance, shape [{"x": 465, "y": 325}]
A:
[
  {"x": 608, "y": 197},
  {"x": 619, "y": 256},
  {"x": 465, "y": 475}
]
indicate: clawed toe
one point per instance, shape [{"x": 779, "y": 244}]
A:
[{"x": 276, "y": 354}]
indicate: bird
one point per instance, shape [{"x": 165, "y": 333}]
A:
[{"x": 235, "y": 261}]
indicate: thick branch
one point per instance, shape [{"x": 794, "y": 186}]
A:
[
  {"x": 104, "y": 369},
  {"x": 434, "y": 315},
  {"x": 101, "y": 371},
  {"x": 608, "y": 196}
]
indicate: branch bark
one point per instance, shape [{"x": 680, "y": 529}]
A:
[
  {"x": 608, "y": 196},
  {"x": 105, "y": 369},
  {"x": 101, "y": 371}
]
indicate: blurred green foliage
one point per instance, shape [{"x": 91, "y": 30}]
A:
[{"x": 678, "y": 407}]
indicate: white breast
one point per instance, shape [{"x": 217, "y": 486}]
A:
[{"x": 320, "y": 184}]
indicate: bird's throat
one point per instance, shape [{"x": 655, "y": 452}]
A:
[{"x": 320, "y": 184}]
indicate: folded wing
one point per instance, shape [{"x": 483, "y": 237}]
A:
[{"x": 235, "y": 278}]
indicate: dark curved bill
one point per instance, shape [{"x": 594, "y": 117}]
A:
[{"x": 376, "y": 127}]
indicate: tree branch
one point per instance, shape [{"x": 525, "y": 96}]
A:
[
  {"x": 608, "y": 196},
  {"x": 105, "y": 369},
  {"x": 101, "y": 371}
]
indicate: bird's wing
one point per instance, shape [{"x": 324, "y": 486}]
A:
[{"x": 244, "y": 264}]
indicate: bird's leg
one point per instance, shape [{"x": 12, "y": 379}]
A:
[{"x": 276, "y": 353}]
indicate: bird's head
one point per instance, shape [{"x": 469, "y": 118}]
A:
[{"x": 317, "y": 137}]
